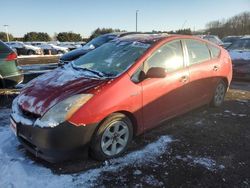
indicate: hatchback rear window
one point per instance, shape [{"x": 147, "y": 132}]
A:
[{"x": 4, "y": 48}]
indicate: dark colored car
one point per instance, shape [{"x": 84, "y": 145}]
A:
[
  {"x": 240, "y": 55},
  {"x": 227, "y": 41},
  {"x": 9, "y": 73},
  {"x": 91, "y": 45},
  {"x": 100, "y": 101},
  {"x": 241, "y": 71}
]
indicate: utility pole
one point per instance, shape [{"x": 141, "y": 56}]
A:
[
  {"x": 7, "y": 33},
  {"x": 136, "y": 19}
]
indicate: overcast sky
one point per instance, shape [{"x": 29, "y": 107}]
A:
[{"x": 84, "y": 16}]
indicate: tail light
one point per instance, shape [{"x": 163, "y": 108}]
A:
[{"x": 12, "y": 56}]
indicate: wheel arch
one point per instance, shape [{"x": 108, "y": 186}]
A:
[
  {"x": 132, "y": 119},
  {"x": 225, "y": 80},
  {"x": 127, "y": 114}
]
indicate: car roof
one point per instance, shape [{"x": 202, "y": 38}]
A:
[
  {"x": 245, "y": 37},
  {"x": 145, "y": 38}
]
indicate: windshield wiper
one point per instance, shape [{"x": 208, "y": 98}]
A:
[
  {"x": 99, "y": 74},
  {"x": 108, "y": 74}
]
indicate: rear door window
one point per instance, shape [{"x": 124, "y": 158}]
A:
[
  {"x": 197, "y": 51},
  {"x": 215, "y": 52}
]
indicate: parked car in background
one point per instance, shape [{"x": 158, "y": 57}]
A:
[
  {"x": 240, "y": 55},
  {"x": 71, "y": 45},
  {"x": 91, "y": 45},
  {"x": 9, "y": 73},
  {"x": 227, "y": 41},
  {"x": 125, "y": 87},
  {"x": 80, "y": 44},
  {"x": 213, "y": 38},
  {"x": 35, "y": 43},
  {"x": 24, "y": 49},
  {"x": 53, "y": 49}
]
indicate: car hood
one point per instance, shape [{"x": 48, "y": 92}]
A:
[
  {"x": 45, "y": 91},
  {"x": 240, "y": 54},
  {"x": 74, "y": 54}
]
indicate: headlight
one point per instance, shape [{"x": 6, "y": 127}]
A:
[{"x": 62, "y": 110}]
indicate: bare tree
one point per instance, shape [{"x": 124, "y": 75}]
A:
[{"x": 236, "y": 25}]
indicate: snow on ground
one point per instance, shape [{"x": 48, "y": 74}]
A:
[
  {"x": 207, "y": 163},
  {"x": 17, "y": 170}
]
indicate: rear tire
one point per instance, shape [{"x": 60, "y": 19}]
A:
[
  {"x": 219, "y": 94},
  {"x": 112, "y": 137}
]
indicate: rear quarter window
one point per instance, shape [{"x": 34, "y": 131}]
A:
[
  {"x": 197, "y": 51},
  {"x": 4, "y": 48},
  {"x": 215, "y": 52}
]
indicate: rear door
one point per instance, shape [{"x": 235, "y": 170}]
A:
[
  {"x": 165, "y": 97},
  {"x": 202, "y": 70}
]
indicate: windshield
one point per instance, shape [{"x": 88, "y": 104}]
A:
[
  {"x": 98, "y": 41},
  {"x": 113, "y": 58},
  {"x": 241, "y": 44},
  {"x": 230, "y": 39}
]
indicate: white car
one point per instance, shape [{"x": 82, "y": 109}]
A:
[
  {"x": 24, "y": 49},
  {"x": 53, "y": 49}
]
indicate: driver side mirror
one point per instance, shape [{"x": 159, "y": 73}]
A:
[{"x": 156, "y": 72}]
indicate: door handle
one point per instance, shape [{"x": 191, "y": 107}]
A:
[
  {"x": 216, "y": 68},
  {"x": 184, "y": 79}
]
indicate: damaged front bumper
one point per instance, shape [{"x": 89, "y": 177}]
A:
[{"x": 57, "y": 144}]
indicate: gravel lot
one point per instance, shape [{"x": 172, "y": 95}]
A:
[{"x": 208, "y": 147}]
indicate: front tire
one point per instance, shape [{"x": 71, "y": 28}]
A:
[
  {"x": 112, "y": 138},
  {"x": 219, "y": 94}
]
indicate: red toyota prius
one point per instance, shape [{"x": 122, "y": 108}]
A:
[{"x": 99, "y": 102}]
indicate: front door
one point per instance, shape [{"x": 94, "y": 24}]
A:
[{"x": 165, "y": 97}]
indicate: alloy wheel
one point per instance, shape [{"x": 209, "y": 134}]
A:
[
  {"x": 219, "y": 94},
  {"x": 115, "y": 138}
]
